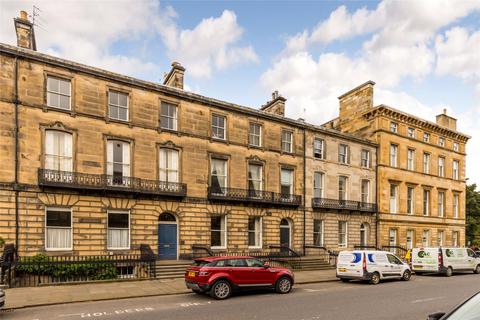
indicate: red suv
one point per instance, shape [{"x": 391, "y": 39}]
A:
[{"x": 220, "y": 276}]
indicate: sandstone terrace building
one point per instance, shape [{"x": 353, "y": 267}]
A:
[{"x": 94, "y": 162}]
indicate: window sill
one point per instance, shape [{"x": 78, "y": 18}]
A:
[
  {"x": 108, "y": 120},
  {"x": 255, "y": 248},
  {"x": 66, "y": 250},
  {"x": 175, "y": 131},
  {"x": 218, "y": 248},
  {"x": 70, "y": 111}
]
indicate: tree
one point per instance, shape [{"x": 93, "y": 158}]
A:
[{"x": 473, "y": 215}]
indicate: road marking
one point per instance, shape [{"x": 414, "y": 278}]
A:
[
  {"x": 106, "y": 313},
  {"x": 426, "y": 299},
  {"x": 314, "y": 290}
]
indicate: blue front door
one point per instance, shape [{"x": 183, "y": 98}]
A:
[{"x": 167, "y": 241}]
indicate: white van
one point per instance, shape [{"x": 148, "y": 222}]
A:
[
  {"x": 371, "y": 265},
  {"x": 444, "y": 260}
]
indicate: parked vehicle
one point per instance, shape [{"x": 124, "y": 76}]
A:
[
  {"x": 371, "y": 265},
  {"x": 444, "y": 260},
  {"x": 220, "y": 276},
  {"x": 468, "y": 309},
  {"x": 2, "y": 298}
]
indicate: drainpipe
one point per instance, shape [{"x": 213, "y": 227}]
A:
[
  {"x": 15, "y": 185},
  {"x": 304, "y": 188}
]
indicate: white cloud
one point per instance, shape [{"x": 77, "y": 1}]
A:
[{"x": 210, "y": 46}]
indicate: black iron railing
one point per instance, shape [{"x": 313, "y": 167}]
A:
[
  {"x": 44, "y": 270},
  {"x": 343, "y": 205},
  {"x": 330, "y": 255},
  {"x": 246, "y": 195},
  {"x": 103, "y": 182}
]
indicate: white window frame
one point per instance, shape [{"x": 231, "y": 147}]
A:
[
  {"x": 343, "y": 158},
  {"x": 225, "y": 237},
  {"x": 259, "y": 231},
  {"x": 393, "y": 240},
  {"x": 393, "y": 155},
  {"x": 367, "y": 193},
  {"x": 440, "y": 238},
  {"x": 127, "y": 212},
  {"x": 340, "y": 244},
  {"x": 61, "y": 159},
  {"x": 411, "y": 159},
  {"x": 456, "y": 146},
  {"x": 345, "y": 192},
  {"x": 456, "y": 202},
  {"x": 455, "y": 238},
  {"x": 455, "y": 169},
  {"x": 173, "y": 117},
  {"x": 292, "y": 172},
  {"x": 426, "y": 202},
  {"x": 410, "y": 239},
  {"x": 252, "y": 135},
  {"x": 322, "y": 184},
  {"x": 319, "y": 144},
  {"x": 426, "y": 137},
  {"x": 321, "y": 232},
  {"x": 217, "y": 128},
  {"x": 426, "y": 163},
  {"x": 365, "y": 163},
  {"x": 225, "y": 161},
  {"x": 426, "y": 238},
  {"x": 441, "y": 204},
  {"x": 127, "y": 107},
  {"x": 286, "y": 141},
  {"x": 393, "y": 198},
  {"x": 441, "y": 166},
  {"x": 260, "y": 180},
  {"x": 163, "y": 152},
  {"x": 394, "y": 127},
  {"x": 58, "y": 93},
  {"x": 59, "y": 209},
  {"x": 126, "y": 166},
  {"x": 411, "y": 132},
  {"x": 441, "y": 141},
  {"x": 410, "y": 200}
]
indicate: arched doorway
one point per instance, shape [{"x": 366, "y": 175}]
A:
[
  {"x": 167, "y": 236},
  {"x": 363, "y": 234},
  {"x": 285, "y": 233}
]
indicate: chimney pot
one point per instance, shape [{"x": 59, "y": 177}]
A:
[
  {"x": 174, "y": 78},
  {"x": 444, "y": 111},
  {"x": 23, "y": 15}
]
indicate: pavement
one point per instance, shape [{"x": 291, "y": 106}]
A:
[
  {"x": 334, "y": 300},
  {"x": 60, "y": 294}
]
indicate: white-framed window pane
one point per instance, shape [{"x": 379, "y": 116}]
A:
[
  {"x": 441, "y": 166},
  {"x": 118, "y": 162},
  {"x": 365, "y": 161},
  {"x": 426, "y": 137},
  {"x": 393, "y": 198},
  {"x": 455, "y": 240},
  {"x": 218, "y": 175},
  {"x": 168, "y": 165},
  {"x": 318, "y": 226},
  {"x": 254, "y": 232},
  {"x": 118, "y": 105},
  {"x": 342, "y": 188},
  {"x": 58, "y": 150},
  {"x": 218, "y": 127},
  {"x": 393, "y": 155},
  {"x": 440, "y": 237},
  {"x": 455, "y": 146},
  {"x": 426, "y": 163},
  {"x": 58, "y": 229},
  {"x": 319, "y": 148},
  {"x": 255, "y": 178},
  {"x": 393, "y": 127},
  {"x": 287, "y": 138},
  {"x": 410, "y": 239},
  {"x": 455, "y": 205},
  {"x": 411, "y": 132},
  {"x": 426, "y": 238},
  {"x": 58, "y": 93},
  {"x": 318, "y": 179},
  {"x": 426, "y": 202},
  {"x": 255, "y": 135},
  {"x": 411, "y": 159},
  {"x": 410, "y": 200},
  {"x": 218, "y": 231},
  {"x": 342, "y": 234},
  {"x": 455, "y": 169},
  {"x": 441, "y": 204},
  {"x": 168, "y": 116},
  {"x": 441, "y": 142},
  {"x": 392, "y": 235},
  {"x": 342, "y": 153},
  {"x": 118, "y": 236},
  {"x": 286, "y": 181},
  {"x": 365, "y": 191}
]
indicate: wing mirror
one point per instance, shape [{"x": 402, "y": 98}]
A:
[
  {"x": 266, "y": 265},
  {"x": 436, "y": 316}
]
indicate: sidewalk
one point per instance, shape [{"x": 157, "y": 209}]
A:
[{"x": 48, "y": 295}]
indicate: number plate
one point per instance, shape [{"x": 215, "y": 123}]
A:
[
  {"x": 342, "y": 269},
  {"x": 191, "y": 274}
]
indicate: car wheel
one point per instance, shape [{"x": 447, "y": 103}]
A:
[
  {"x": 221, "y": 290},
  {"x": 283, "y": 285},
  {"x": 449, "y": 272},
  {"x": 375, "y": 279},
  {"x": 477, "y": 269},
  {"x": 406, "y": 275},
  {"x": 344, "y": 280}
]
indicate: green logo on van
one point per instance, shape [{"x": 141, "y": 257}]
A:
[
  {"x": 423, "y": 254},
  {"x": 449, "y": 253}
]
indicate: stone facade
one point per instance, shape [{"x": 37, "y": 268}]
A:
[
  {"x": 24, "y": 83},
  {"x": 408, "y": 140}
]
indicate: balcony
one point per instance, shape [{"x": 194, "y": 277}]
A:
[
  {"x": 245, "y": 195},
  {"x": 108, "y": 183},
  {"x": 351, "y": 205}
]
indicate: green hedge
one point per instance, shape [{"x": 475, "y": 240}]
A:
[{"x": 93, "y": 268}]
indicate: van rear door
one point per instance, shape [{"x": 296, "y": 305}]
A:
[
  {"x": 350, "y": 264},
  {"x": 425, "y": 259}
]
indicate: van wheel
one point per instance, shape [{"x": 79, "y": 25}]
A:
[
  {"x": 221, "y": 290},
  {"x": 283, "y": 285},
  {"x": 375, "y": 279},
  {"x": 449, "y": 272},
  {"x": 344, "y": 280},
  {"x": 477, "y": 269},
  {"x": 406, "y": 275}
]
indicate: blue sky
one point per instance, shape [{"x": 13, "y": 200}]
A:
[{"x": 423, "y": 55}]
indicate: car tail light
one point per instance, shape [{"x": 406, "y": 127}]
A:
[
  {"x": 364, "y": 263},
  {"x": 440, "y": 258},
  {"x": 203, "y": 273}
]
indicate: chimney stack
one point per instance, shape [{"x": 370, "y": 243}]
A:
[
  {"x": 447, "y": 121},
  {"x": 276, "y": 105},
  {"x": 25, "y": 32},
  {"x": 175, "y": 77}
]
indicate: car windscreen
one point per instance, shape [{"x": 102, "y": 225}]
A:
[
  {"x": 200, "y": 263},
  {"x": 468, "y": 311}
]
